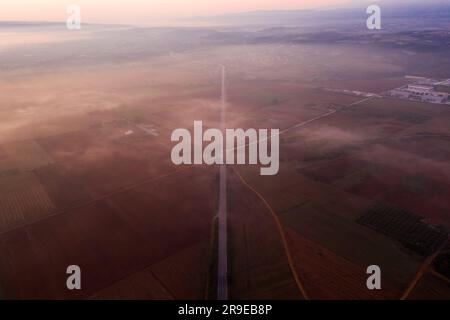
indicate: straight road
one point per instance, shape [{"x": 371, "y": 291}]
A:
[{"x": 222, "y": 268}]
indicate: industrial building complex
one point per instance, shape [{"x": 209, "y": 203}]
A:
[{"x": 423, "y": 90}]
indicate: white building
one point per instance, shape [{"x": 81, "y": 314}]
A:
[
  {"x": 418, "y": 89},
  {"x": 418, "y": 92}
]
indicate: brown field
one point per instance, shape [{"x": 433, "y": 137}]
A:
[
  {"x": 110, "y": 242},
  {"x": 356, "y": 160},
  {"x": 383, "y": 167},
  {"x": 180, "y": 276},
  {"x": 259, "y": 268},
  {"x": 23, "y": 199},
  {"x": 28, "y": 155},
  {"x": 329, "y": 276},
  {"x": 431, "y": 287}
]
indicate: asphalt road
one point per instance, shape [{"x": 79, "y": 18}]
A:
[{"x": 222, "y": 268}]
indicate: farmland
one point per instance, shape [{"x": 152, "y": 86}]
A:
[{"x": 86, "y": 176}]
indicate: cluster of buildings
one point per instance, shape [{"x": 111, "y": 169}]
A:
[{"x": 424, "y": 90}]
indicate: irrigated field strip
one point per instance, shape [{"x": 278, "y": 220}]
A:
[{"x": 16, "y": 206}]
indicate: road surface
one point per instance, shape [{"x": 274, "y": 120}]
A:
[{"x": 222, "y": 267}]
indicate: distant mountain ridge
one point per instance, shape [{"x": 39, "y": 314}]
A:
[{"x": 403, "y": 9}]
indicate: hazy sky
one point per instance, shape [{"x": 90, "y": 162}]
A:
[{"x": 139, "y": 10}]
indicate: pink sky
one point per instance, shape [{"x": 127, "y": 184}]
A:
[{"x": 138, "y": 10}]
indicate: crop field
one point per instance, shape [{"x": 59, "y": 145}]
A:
[
  {"x": 337, "y": 234},
  {"x": 184, "y": 273},
  {"x": 400, "y": 225},
  {"x": 259, "y": 266},
  {"x": 7, "y": 165},
  {"x": 103, "y": 162},
  {"x": 140, "y": 285},
  {"x": 327, "y": 163},
  {"x": 329, "y": 276},
  {"x": 28, "y": 155},
  {"x": 23, "y": 199},
  {"x": 321, "y": 225},
  {"x": 442, "y": 262},
  {"x": 52, "y": 177},
  {"x": 431, "y": 287},
  {"x": 300, "y": 190},
  {"x": 127, "y": 238},
  {"x": 180, "y": 276}
]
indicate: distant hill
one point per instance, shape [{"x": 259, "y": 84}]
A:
[
  {"x": 18, "y": 24},
  {"x": 400, "y": 9}
]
